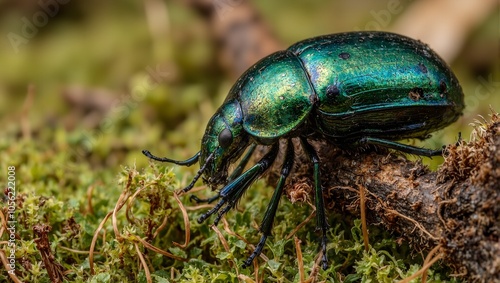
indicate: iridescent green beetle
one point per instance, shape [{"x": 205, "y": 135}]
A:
[{"x": 348, "y": 89}]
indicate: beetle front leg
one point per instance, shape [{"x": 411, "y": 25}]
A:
[
  {"x": 204, "y": 200},
  {"x": 232, "y": 192},
  {"x": 236, "y": 173},
  {"x": 267, "y": 222},
  {"x": 321, "y": 221}
]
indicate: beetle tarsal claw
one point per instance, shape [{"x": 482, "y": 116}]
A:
[
  {"x": 324, "y": 258},
  {"x": 221, "y": 213},
  {"x": 256, "y": 252},
  {"x": 211, "y": 211}
]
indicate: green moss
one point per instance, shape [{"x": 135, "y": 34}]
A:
[{"x": 45, "y": 195}]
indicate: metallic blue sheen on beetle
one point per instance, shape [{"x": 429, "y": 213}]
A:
[{"x": 350, "y": 89}]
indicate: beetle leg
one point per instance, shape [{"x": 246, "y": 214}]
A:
[
  {"x": 402, "y": 147},
  {"x": 221, "y": 213},
  {"x": 203, "y": 200},
  {"x": 234, "y": 190},
  {"x": 322, "y": 222},
  {"x": 231, "y": 193},
  {"x": 216, "y": 208},
  {"x": 459, "y": 140},
  {"x": 233, "y": 200},
  {"x": 237, "y": 171},
  {"x": 198, "y": 174},
  {"x": 267, "y": 222}
]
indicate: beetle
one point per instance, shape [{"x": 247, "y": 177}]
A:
[{"x": 350, "y": 89}]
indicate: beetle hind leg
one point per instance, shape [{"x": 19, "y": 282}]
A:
[
  {"x": 267, "y": 222},
  {"x": 401, "y": 147},
  {"x": 321, "y": 221}
]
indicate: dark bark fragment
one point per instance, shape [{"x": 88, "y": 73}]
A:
[{"x": 54, "y": 269}]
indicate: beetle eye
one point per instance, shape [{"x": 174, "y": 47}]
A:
[{"x": 225, "y": 138}]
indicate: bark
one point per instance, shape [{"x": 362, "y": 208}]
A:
[{"x": 457, "y": 207}]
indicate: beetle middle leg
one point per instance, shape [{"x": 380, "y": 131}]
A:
[
  {"x": 267, "y": 222},
  {"x": 402, "y": 147},
  {"x": 321, "y": 221}
]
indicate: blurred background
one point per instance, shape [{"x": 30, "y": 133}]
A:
[
  {"x": 113, "y": 78},
  {"x": 85, "y": 86}
]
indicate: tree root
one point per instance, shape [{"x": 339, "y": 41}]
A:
[{"x": 456, "y": 208}]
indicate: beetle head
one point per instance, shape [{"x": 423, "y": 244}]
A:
[{"x": 223, "y": 142}]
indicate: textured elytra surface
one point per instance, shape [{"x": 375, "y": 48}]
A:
[{"x": 379, "y": 84}]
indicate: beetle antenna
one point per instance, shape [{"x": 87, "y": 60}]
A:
[
  {"x": 198, "y": 174},
  {"x": 188, "y": 162}
]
